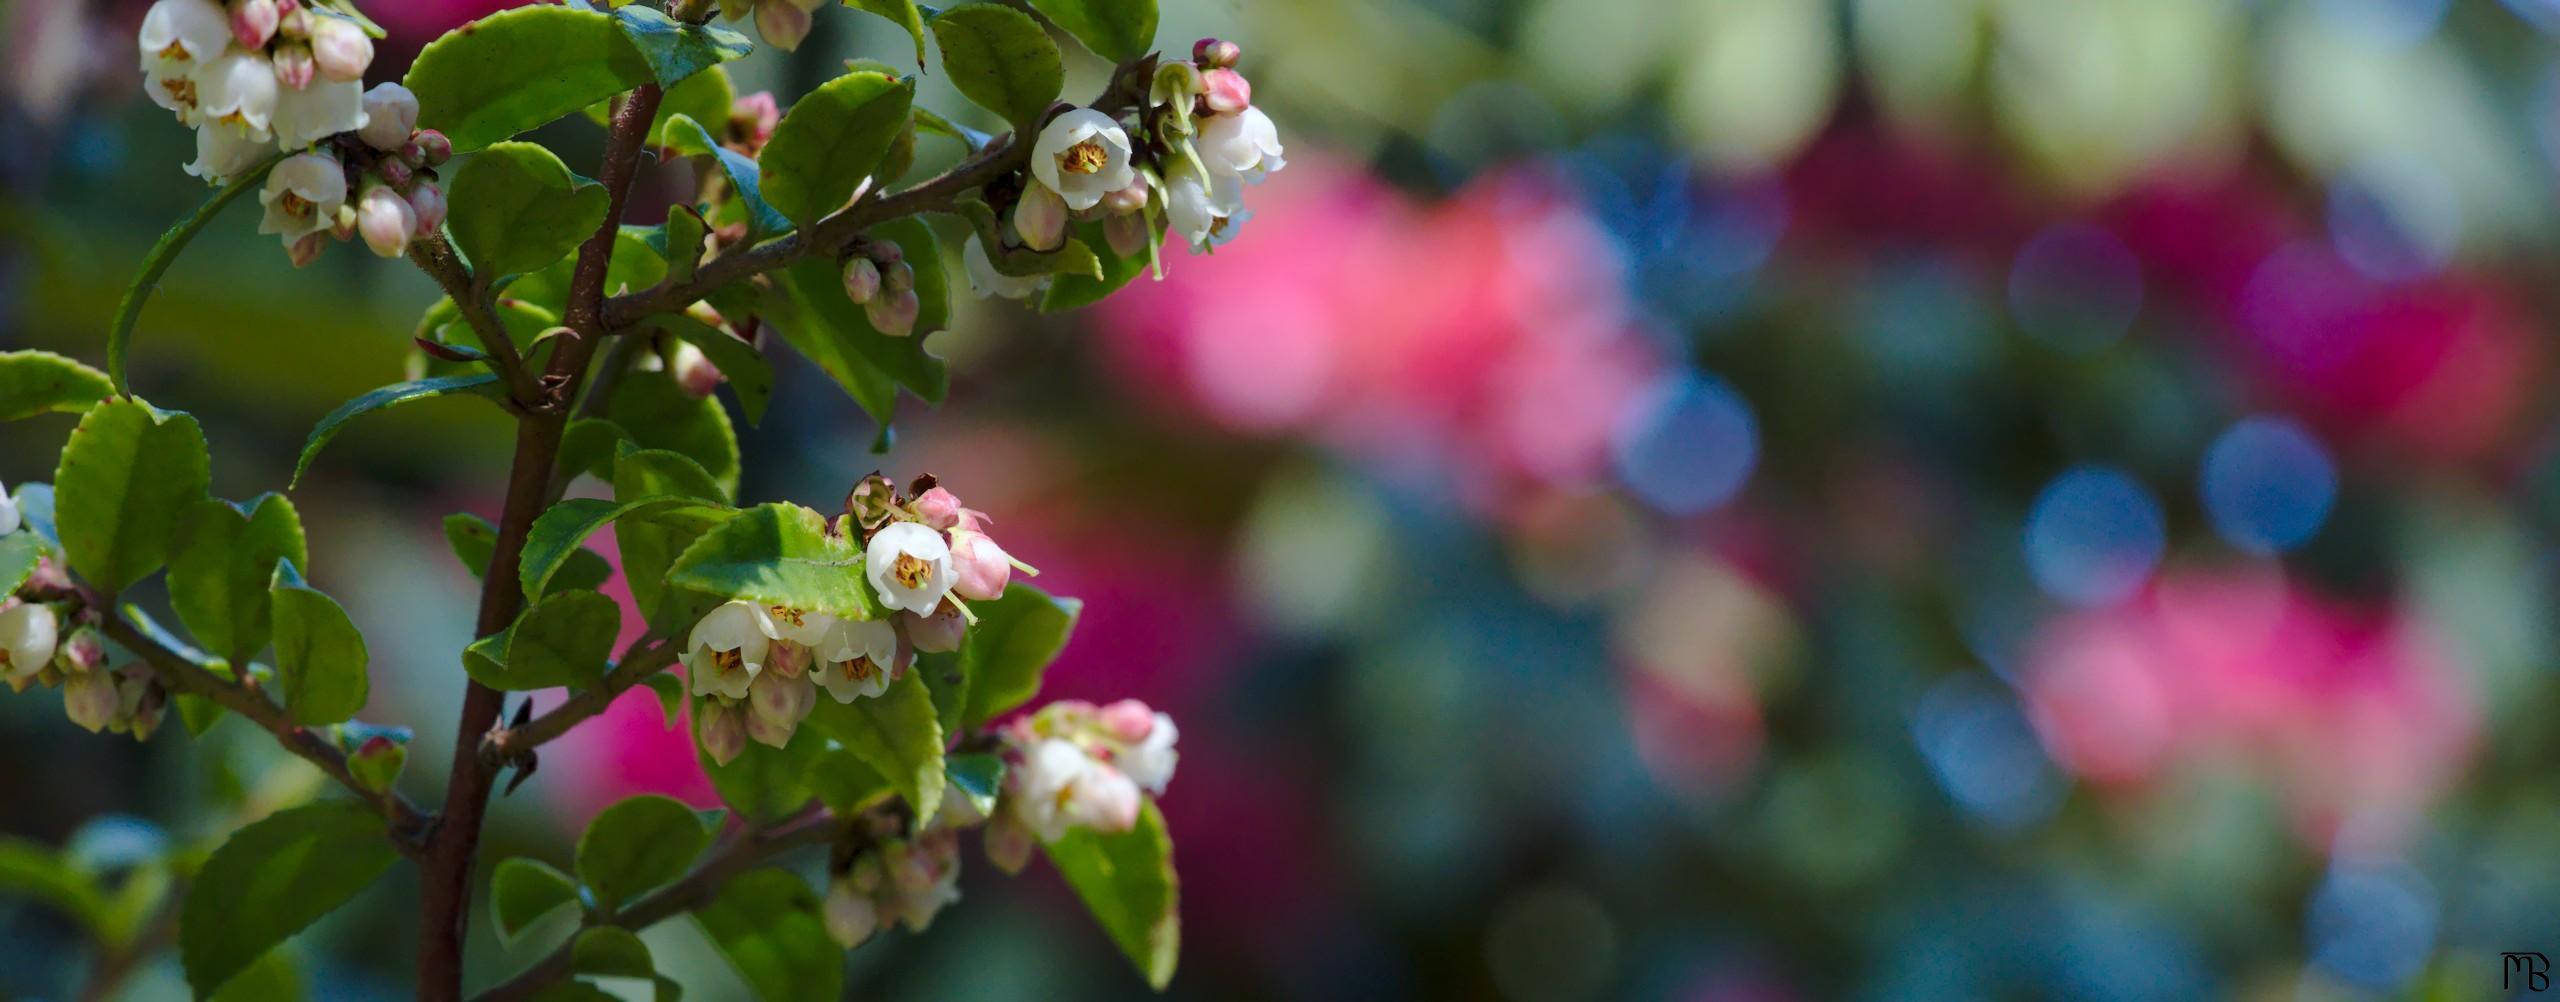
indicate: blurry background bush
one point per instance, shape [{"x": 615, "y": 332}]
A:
[{"x": 1701, "y": 499}]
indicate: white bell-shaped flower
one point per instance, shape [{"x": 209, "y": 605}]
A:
[
  {"x": 1203, "y": 211},
  {"x": 172, "y": 85},
  {"x": 854, "y": 658},
  {"x": 1150, "y": 763},
  {"x": 390, "y": 115},
  {"x": 1245, "y": 144},
  {"x": 909, "y": 565},
  {"x": 1082, "y": 155},
  {"x": 27, "y": 636},
  {"x": 303, "y": 195},
  {"x": 183, "y": 31},
  {"x": 727, "y": 648},
  {"x": 987, "y": 282},
  {"x": 323, "y": 109},
  {"x": 223, "y": 154},
  {"x": 1045, "y": 783},
  {"x": 237, "y": 90}
]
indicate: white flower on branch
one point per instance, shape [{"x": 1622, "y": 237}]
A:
[
  {"x": 1082, "y": 155},
  {"x": 223, "y": 154},
  {"x": 313, "y": 113},
  {"x": 237, "y": 90},
  {"x": 183, "y": 32},
  {"x": 303, "y": 195},
  {"x": 909, "y": 566},
  {"x": 988, "y": 283},
  {"x": 1245, "y": 144},
  {"x": 727, "y": 648},
  {"x": 853, "y": 658}
]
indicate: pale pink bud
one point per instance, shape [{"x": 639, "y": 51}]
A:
[
  {"x": 433, "y": 147},
  {"x": 1127, "y": 234},
  {"x": 305, "y": 249},
  {"x": 1105, "y": 800},
  {"x": 341, "y": 48},
  {"x": 697, "y": 377},
  {"x": 894, "y": 313},
  {"x": 782, "y": 23},
  {"x": 1128, "y": 721},
  {"x": 722, "y": 728},
  {"x": 81, "y": 651},
  {"x": 936, "y": 633},
  {"x": 427, "y": 201},
  {"x": 768, "y": 731},
  {"x": 391, "y": 114},
  {"x": 294, "y": 66},
  {"x": 982, "y": 566},
  {"x": 1009, "y": 843},
  {"x": 386, "y": 220},
  {"x": 1226, "y": 91},
  {"x": 938, "y": 508},
  {"x": 896, "y": 275},
  {"x": 90, "y": 699},
  {"x": 253, "y": 22},
  {"x": 753, "y": 117},
  {"x": 1126, "y": 200},
  {"x": 1040, "y": 218},
  {"x": 1216, "y": 53},
  {"x": 861, "y": 280}
]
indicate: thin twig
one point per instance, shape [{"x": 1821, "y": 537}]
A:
[{"x": 438, "y": 259}]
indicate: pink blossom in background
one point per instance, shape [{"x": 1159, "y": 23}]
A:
[
  {"x": 628, "y": 749},
  {"x": 2353, "y": 714}
]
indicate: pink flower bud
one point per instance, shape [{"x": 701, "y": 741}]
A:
[
  {"x": 1009, "y": 843},
  {"x": 341, "y": 48},
  {"x": 253, "y": 22},
  {"x": 1105, "y": 800},
  {"x": 1226, "y": 91},
  {"x": 1040, "y": 218},
  {"x": 90, "y": 699},
  {"x": 427, "y": 201},
  {"x": 391, "y": 114},
  {"x": 782, "y": 23},
  {"x": 1128, "y": 721},
  {"x": 394, "y": 173},
  {"x": 81, "y": 651},
  {"x": 306, "y": 248},
  {"x": 894, "y": 313},
  {"x": 1216, "y": 53},
  {"x": 435, "y": 147},
  {"x": 861, "y": 280},
  {"x": 887, "y": 253},
  {"x": 294, "y": 66},
  {"x": 48, "y": 576},
  {"x": 386, "y": 221},
  {"x": 752, "y": 118},
  {"x": 983, "y": 567},
  {"x": 898, "y": 275},
  {"x": 936, "y": 633},
  {"x": 938, "y": 508},
  {"x": 722, "y": 729},
  {"x": 697, "y": 377},
  {"x": 1126, "y": 200},
  {"x": 376, "y": 763},
  {"x": 1127, "y": 234}
]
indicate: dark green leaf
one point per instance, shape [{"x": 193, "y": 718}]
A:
[
  {"x": 223, "y": 560},
  {"x": 1127, "y": 882},
  {"x": 766, "y": 922},
  {"x": 978, "y": 776},
  {"x": 832, "y": 139},
  {"x": 32, "y": 871},
  {"x": 517, "y": 69},
  {"x": 516, "y": 208},
  {"x": 763, "y": 784},
  {"x": 902, "y": 13},
  {"x": 660, "y": 415},
  {"x": 685, "y": 230},
  {"x": 1075, "y": 291},
  {"x": 588, "y": 445},
  {"x": 846, "y": 783},
  {"x": 388, "y": 396},
  {"x": 523, "y": 890},
  {"x": 687, "y": 136},
  {"x": 566, "y": 640},
  {"x": 318, "y": 652},
  {"x": 650, "y": 540},
  {"x": 128, "y": 473},
  {"x": 557, "y": 534},
  {"x": 1117, "y": 30},
  {"x": 675, "y": 50},
  {"x": 778, "y": 554},
  {"x": 612, "y": 952},
  {"x": 1072, "y": 258},
  {"x": 670, "y": 690},
  {"x": 1011, "y": 645},
  {"x": 273, "y": 878},
  {"x": 831, "y": 331},
  {"x": 474, "y": 541},
  {"x": 748, "y": 374},
  {"x": 1000, "y": 58},
  {"x": 165, "y": 253},
  {"x": 897, "y": 733},
  {"x": 37, "y": 382},
  {"x": 638, "y": 844}
]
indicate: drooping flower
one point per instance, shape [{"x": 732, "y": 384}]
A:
[
  {"x": 784, "y": 22},
  {"x": 313, "y": 113},
  {"x": 1245, "y": 144},
  {"x": 223, "y": 154},
  {"x": 936, "y": 633},
  {"x": 1203, "y": 211},
  {"x": 727, "y": 648},
  {"x": 172, "y": 85},
  {"x": 183, "y": 31},
  {"x": 386, "y": 220},
  {"x": 1150, "y": 761},
  {"x": 1059, "y": 786},
  {"x": 854, "y": 658},
  {"x": 237, "y": 90},
  {"x": 1082, "y": 155},
  {"x": 983, "y": 568},
  {"x": 302, "y": 195},
  {"x": 987, "y": 282},
  {"x": 390, "y": 115},
  {"x": 27, "y": 635},
  {"x": 909, "y": 566},
  {"x": 722, "y": 728},
  {"x": 776, "y": 704}
]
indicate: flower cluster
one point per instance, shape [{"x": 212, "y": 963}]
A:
[
  {"x": 36, "y": 650},
  {"x": 1077, "y": 765},
  {"x": 901, "y": 881},
  {"x": 758, "y": 668},
  {"x": 1204, "y": 141},
  {"x": 878, "y": 278}
]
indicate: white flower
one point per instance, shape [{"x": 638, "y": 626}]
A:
[
  {"x": 303, "y": 195},
  {"x": 237, "y": 90},
  {"x": 854, "y": 658},
  {"x": 920, "y": 876},
  {"x": 172, "y": 85},
  {"x": 1150, "y": 763},
  {"x": 183, "y": 31},
  {"x": 386, "y": 220},
  {"x": 987, "y": 282},
  {"x": 223, "y": 154},
  {"x": 727, "y": 649},
  {"x": 27, "y": 634},
  {"x": 90, "y": 699},
  {"x": 1203, "y": 211},
  {"x": 1082, "y": 155},
  {"x": 910, "y": 566},
  {"x": 8, "y": 511},
  {"x": 340, "y": 48},
  {"x": 390, "y": 115},
  {"x": 316, "y": 112},
  {"x": 851, "y": 917},
  {"x": 1245, "y": 144},
  {"x": 1060, "y": 787}
]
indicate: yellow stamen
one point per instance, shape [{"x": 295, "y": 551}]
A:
[
  {"x": 181, "y": 90},
  {"x": 728, "y": 662},
  {"x": 175, "y": 52},
  {"x": 910, "y": 571},
  {"x": 1087, "y": 157},
  {"x": 787, "y": 615}
]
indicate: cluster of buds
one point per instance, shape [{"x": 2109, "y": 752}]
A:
[
  {"x": 1077, "y": 765},
  {"x": 34, "y": 651},
  {"x": 378, "y": 181},
  {"x": 253, "y": 77},
  {"x": 897, "y": 881},
  {"x": 1204, "y": 142},
  {"x": 878, "y": 278},
  {"x": 694, "y": 371},
  {"x": 783, "y": 23}
]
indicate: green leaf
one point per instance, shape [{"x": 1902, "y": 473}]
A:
[
  {"x": 517, "y": 69},
  {"x": 37, "y": 382},
  {"x": 611, "y": 951},
  {"x": 778, "y": 554},
  {"x": 1127, "y": 882},
  {"x": 651, "y": 540},
  {"x": 318, "y": 652},
  {"x": 640, "y": 843},
  {"x": 1072, "y": 291},
  {"x": 587, "y": 446},
  {"x": 566, "y": 640},
  {"x": 32, "y": 871},
  {"x": 670, "y": 690},
  {"x": 832, "y": 138},
  {"x": 1000, "y": 59},
  {"x": 831, "y": 331},
  {"x": 979, "y": 776},
  {"x": 846, "y": 783},
  {"x": 1117, "y": 30},
  {"x": 660, "y": 415},
  {"x": 197, "y": 713},
  {"x": 1072, "y": 258},
  {"x": 273, "y": 878},
  {"x": 516, "y": 208},
  {"x": 766, "y": 922},
  {"x": 523, "y": 890},
  {"x": 19, "y": 552},
  {"x": 676, "y": 50},
  {"x": 685, "y": 230},
  {"x": 1009, "y": 647},
  {"x": 636, "y": 263},
  {"x": 897, "y": 733},
  {"x": 128, "y": 473},
  {"x": 388, "y": 396},
  {"x": 748, "y": 374},
  {"x": 902, "y": 13},
  {"x": 224, "y": 558},
  {"x": 763, "y": 784},
  {"x": 687, "y": 136},
  {"x": 474, "y": 541},
  {"x": 165, "y": 253},
  {"x": 270, "y": 979},
  {"x": 557, "y": 535}
]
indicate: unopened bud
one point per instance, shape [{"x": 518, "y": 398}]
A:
[
  {"x": 851, "y": 915},
  {"x": 83, "y": 650},
  {"x": 1225, "y": 91},
  {"x": 782, "y": 23},
  {"x": 1127, "y": 233},
  {"x": 90, "y": 699},
  {"x": 1216, "y": 53},
  {"x": 292, "y": 21},
  {"x": 1122, "y": 201},
  {"x": 938, "y": 508},
  {"x": 377, "y": 762},
  {"x": 386, "y": 221},
  {"x": 391, "y": 114},
  {"x": 894, "y": 313},
  {"x": 253, "y": 22},
  {"x": 341, "y": 48},
  {"x": 936, "y": 633},
  {"x": 887, "y": 252},
  {"x": 48, "y": 576},
  {"x": 722, "y": 729},
  {"x": 1040, "y": 218},
  {"x": 294, "y": 66},
  {"x": 982, "y": 568},
  {"x": 695, "y": 374},
  {"x": 306, "y": 249},
  {"x": 433, "y": 148},
  {"x": 753, "y": 117},
  {"x": 427, "y": 201},
  {"x": 898, "y": 277},
  {"x": 861, "y": 280},
  {"x": 393, "y": 172},
  {"x": 1128, "y": 720},
  {"x": 1009, "y": 842}
]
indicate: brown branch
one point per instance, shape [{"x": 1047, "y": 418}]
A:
[
  {"x": 506, "y": 744},
  {"x": 812, "y": 826},
  {"x": 438, "y": 259}
]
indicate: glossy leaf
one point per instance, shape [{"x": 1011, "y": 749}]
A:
[
  {"x": 38, "y": 382},
  {"x": 832, "y": 138},
  {"x": 516, "y": 69},
  {"x": 474, "y": 541},
  {"x": 319, "y": 655},
  {"x": 612, "y": 952},
  {"x": 1005, "y": 653},
  {"x": 388, "y": 396},
  {"x": 778, "y": 554},
  {"x": 767, "y": 923},
  {"x": 220, "y": 568},
  {"x": 1117, "y": 30},
  {"x": 638, "y": 844},
  {"x": 1127, "y": 881},
  {"x": 523, "y": 890},
  {"x": 273, "y": 878},
  {"x": 557, "y": 534},
  {"x": 660, "y": 415},
  {"x": 1076, "y": 291},
  {"x": 565, "y": 640},
  {"x": 19, "y": 553},
  {"x": 650, "y": 540},
  {"x": 897, "y": 733},
  {"x": 516, "y": 208},
  {"x": 846, "y": 783},
  {"x": 831, "y": 331},
  {"x": 1000, "y": 59},
  {"x": 128, "y": 473},
  {"x": 763, "y": 784},
  {"x": 675, "y": 50},
  {"x": 747, "y": 373},
  {"x": 902, "y": 13},
  {"x": 688, "y": 137}
]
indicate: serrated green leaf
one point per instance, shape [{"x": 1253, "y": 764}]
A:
[
  {"x": 219, "y": 569},
  {"x": 846, "y": 783},
  {"x": 897, "y": 733},
  {"x": 557, "y": 535},
  {"x": 660, "y": 415},
  {"x": 676, "y": 50},
  {"x": 685, "y": 230},
  {"x": 638, "y": 844},
  {"x": 128, "y": 473},
  {"x": 1117, "y": 30},
  {"x": 1127, "y": 882},
  {"x": 388, "y": 396},
  {"x": 271, "y": 879},
  {"x": 902, "y": 13},
  {"x": 832, "y": 138},
  {"x": 688, "y": 137},
  {"x": 670, "y": 692},
  {"x": 516, "y": 69},
  {"x": 587, "y": 446},
  {"x": 1000, "y": 59},
  {"x": 651, "y": 540},
  {"x": 523, "y": 890},
  {"x": 1006, "y": 651},
  {"x": 778, "y": 554},
  {"x": 565, "y": 640},
  {"x": 749, "y": 376},
  {"x": 163, "y": 254},
  {"x": 1075, "y": 291},
  {"x": 516, "y": 208},
  {"x": 474, "y": 541},
  {"x": 38, "y": 382},
  {"x": 319, "y": 655},
  {"x": 766, "y": 922}
]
